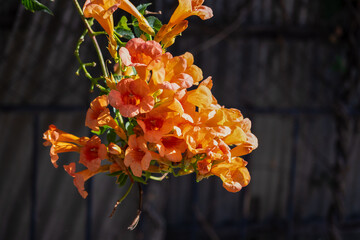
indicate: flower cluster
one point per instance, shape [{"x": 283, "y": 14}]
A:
[{"x": 156, "y": 110}]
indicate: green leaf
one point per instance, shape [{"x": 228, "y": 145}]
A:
[
  {"x": 114, "y": 174},
  {"x": 111, "y": 136},
  {"x": 33, "y": 5},
  {"x": 139, "y": 179},
  {"x": 147, "y": 175},
  {"x": 154, "y": 22},
  {"x": 122, "y": 29},
  {"x": 137, "y": 30},
  {"x": 122, "y": 180},
  {"x": 123, "y": 33},
  {"x": 123, "y": 23},
  {"x": 129, "y": 126},
  {"x": 142, "y": 7},
  {"x": 101, "y": 130}
]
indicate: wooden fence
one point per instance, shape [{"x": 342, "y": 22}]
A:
[{"x": 291, "y": 66}]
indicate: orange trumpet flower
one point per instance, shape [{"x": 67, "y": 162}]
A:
[
  {"x": 234, "y": 175},
  {"x": 98, "y": 115},
  {"x": 137, "y": 155},
  {"x": 131, "y": 97},
  {"x": 177, "y": 23}
]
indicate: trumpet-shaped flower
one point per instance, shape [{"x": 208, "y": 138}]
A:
[
  {"x": 102, "y": 11},
  {"x": 234, "y": 175},
  {"x": 81, "y": 177},
  {"x": 156, "y": 124},
  {"x": 176, "y": 25},
  {"x": 61, "y": 142},
  {"x": 98, "y": 115},
  {"x": 174, "y": 73},
  {"x": 139, "y": 54},
  {"x": 200, "y": 97},
  {"x": 92, "y": 153},
  {"x": 61, "y": 147},
  {"x": 171, "y": 147},
  {"x": 53, "y": 135},
  {"x": 127, "y": 6},
  {"x": 204, "y": 166},
  {"x": 246, "y": 147},
  {"x": 131, "y": 97},
  {"x": 137, "y": 155}
]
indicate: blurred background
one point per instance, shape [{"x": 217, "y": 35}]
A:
[{"x": 291, "y": 66}]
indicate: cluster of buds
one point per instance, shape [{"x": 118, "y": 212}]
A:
[{"x": 156, "y": 115}]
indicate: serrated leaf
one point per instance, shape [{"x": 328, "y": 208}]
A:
[
  {"x": 154, "y": 22},
  {"x": 142, "y": 7},
  {"x": 33, "y": 5},
  {"x": 127, "y": 34}
]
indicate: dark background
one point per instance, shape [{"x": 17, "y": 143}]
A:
[{"x": 291, "y": 66}]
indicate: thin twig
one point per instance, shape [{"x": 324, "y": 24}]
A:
[
  {"x": 139, "y": 211},
  {"x": 121, "y": 199},
  {"x": 93, "y": 38}
]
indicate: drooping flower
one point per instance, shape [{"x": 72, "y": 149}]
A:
[
  {"x": 61, "y": 142},
  {"x": 98, "y": 115},
  {"x": 53, "y": 135},
  {"x": 61, "y": 147},
  {"x": 82, "y": 176},
  {"x": 131, "y": 97},
  {"x": 92, "y": 153},
  {"x": 137, "y": 155},
  {"x": 234, "y": 175},
  {"x": 177, "y": 23}
]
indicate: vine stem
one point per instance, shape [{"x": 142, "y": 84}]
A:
[
  {"x": 139, "y": 211},
  {"x": 121, "y": 199},
  {"x": 93, "y": 38}
]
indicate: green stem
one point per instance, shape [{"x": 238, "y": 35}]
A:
[
  {"x": 99, "y": 33},
  {"x": 94, "y": 81},
  {"x": 121, "y": 199},
  {"x": 158, "y": 178},
  {"x": 93, "y": 38}
]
